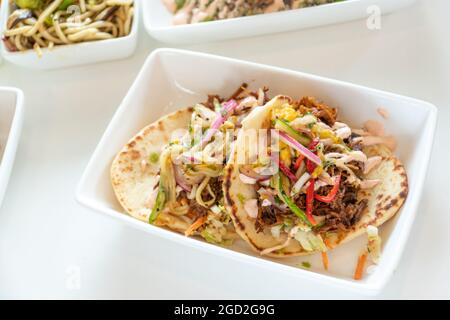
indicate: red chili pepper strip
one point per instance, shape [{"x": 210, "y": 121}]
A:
[
  {"x": 332, "y": 194},
  {"x": 275, "y": 158},
  {"x": 310, "y": 201},
  {"x": 299, "y": 161},
  {"x": 287, "y": 172},
  {"x": 310, "y": 166},
  {"x": 313, "y": 144}
]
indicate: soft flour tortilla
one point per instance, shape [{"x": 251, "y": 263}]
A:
[
  {"x": 383, "y": 201},
  {"x": 133, "y": 179}
]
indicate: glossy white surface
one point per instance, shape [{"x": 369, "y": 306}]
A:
[
  {"x": 167, "y": 71},
  {"x": 46, "y": 237},
  {"x": 11, "y": 119},
  {"x": 158, "y": 20},
  {"x": 74, "y": 54}
]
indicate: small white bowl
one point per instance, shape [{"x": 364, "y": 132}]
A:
[
  {"x": 73, "y": 54},
  {"x": 158, "y": 20},
  {"x": 165, "y": 84},
  {"x": 11, "y": 119}
]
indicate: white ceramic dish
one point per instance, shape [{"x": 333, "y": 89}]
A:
[
  {"x": 158, "y": 20},
  {"x": 74, "y": 54},
  {"x": 165, "y": 84},
  {"x": 11, "y": 119}
]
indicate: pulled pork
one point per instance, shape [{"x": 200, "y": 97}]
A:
[
  {"x": 320, "y": 110},
  {"x": 344, "y": 212}
]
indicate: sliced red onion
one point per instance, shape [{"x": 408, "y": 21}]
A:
[
  {"x": 299, "y": 147},
  {"x": 228, "y": 108}
]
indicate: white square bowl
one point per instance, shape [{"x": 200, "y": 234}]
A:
[
  {"x": 166, "y": 83},
  {"x": 158, "y": 20},
  {"x": 73, "y": 54},
  {"x": 11, "y": 119}
]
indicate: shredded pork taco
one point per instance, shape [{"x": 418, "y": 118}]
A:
[
  {"x": 319, "y": 184},
  {"x": 170, "y": 173}
]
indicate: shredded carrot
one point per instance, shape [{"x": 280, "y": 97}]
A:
[
  {"x": 191, "y": 214},
  {"x": 197, "y": 224},
  {"x": 325, "y": 260},
  {"x": 360, "y": 267}
]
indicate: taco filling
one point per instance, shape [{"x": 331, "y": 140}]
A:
[
  {"x": 170, "y": 174},
  {"x": 319, "y": 184}
]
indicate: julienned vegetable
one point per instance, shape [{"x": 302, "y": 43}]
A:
[
  {"x": 332, "y": 195},
  {"x": 287, "y": 172},
  {"x": 284, "y": 126},
  {"x": 299, "y": 161},
  {"x": 159, "y": 204},
  {"x": 309, "y": 201},
  {"x": 360, "y": 267},
  {"x": 325, "y": 261},
  {"x": 291, "y": 204},
  {"x": 299, "y": 147},
  {"x": 225, "y": 113},
  {"x": 197, "y": 224}
]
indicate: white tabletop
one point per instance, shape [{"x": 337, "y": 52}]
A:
[{"x": 48, "y": 241}]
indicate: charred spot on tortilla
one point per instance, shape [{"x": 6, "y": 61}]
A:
[
  {"x": 135, "y": 154},
  {"x": 160, "y": 125}
]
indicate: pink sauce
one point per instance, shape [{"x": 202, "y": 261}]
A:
[
  {"x": 375, "y": 128},
  {"x": 376, "y": 135},
  {"x": 388, "y": 141}
]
